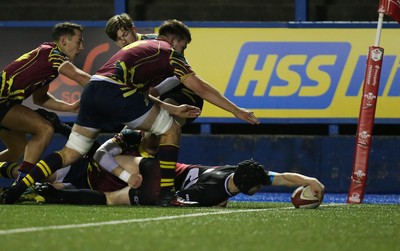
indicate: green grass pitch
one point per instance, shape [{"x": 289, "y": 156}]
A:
[{"x": 240, "y": 226}]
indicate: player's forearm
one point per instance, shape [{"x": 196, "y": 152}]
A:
[
  {"x": 50, "y": 102},
  {"x": 168, "y": 107},
  {"x": 292, "y": 179},
  {"x": 72, "y": 72},
  {"x": 210, "y": 94},
  {"x": 167, "y": 85},
  {"x": 105, "y": 155}
]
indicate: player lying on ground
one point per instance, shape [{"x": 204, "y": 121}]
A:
[
  {"x": 195, "y": 184},
  {"x": 198, "y": 186}
]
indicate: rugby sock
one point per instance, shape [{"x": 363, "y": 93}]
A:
[
  {"x": 77, "y": 197},
  {"x": 6, "y": 169},
  {"x": 43, "y": 169},
  {"x": 168, "y": 155},
  {"x": 149, "y": 191},
  {"x": 134, "y": 197},
  {"x": 26, "y": 167}
]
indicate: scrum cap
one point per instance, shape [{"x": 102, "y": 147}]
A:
[{"x": 249, "y": 174}]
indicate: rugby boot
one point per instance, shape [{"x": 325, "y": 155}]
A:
[{"x": 11, "y": 195}]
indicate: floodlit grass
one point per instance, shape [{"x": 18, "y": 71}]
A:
[{"x": 241, "y": 226}]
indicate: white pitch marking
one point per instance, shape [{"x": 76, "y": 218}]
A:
[{"x": 116, "y": 222}]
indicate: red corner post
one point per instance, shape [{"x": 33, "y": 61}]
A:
[
  {"x": 368, "y": 106},
  {"x": 365, "y": 125}
]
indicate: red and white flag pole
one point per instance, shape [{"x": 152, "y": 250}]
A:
[{"x": 368, "y": 106}]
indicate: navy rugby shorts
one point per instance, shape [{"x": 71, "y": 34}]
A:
[{"x": 104, "y": 106}]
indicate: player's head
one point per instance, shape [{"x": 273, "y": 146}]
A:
[
  {"x": 121, "y": 29},
  {"x": 66, "y": 28},
  {"x": 177, "y": 33},
  {"x": 68, "y": 37},
  {"x": 249, "y": 176}
]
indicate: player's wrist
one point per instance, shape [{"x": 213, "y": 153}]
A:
[
  {"x": 235, "y": 110},
  {"x": 124, "y": 176}
]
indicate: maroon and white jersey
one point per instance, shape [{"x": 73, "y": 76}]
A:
[
  {"x": 31, "y": 71},
  {"x": 144, "y": 64}
]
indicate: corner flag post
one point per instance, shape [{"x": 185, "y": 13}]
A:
[{"x": 368, "y": 106}]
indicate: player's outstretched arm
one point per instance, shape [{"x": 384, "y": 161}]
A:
[
  {"x": 295, "y": 179},
  {"x": 212, "y": 95}
]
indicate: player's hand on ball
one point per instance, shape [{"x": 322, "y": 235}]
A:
[
  {"x": 317, "y": 187},
  {"x": 304, "y": 197}
]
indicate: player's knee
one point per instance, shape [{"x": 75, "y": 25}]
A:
[
  {"x": 42, "y": 122},
  {"x": 162, "y": 123},
  {"x": 45, "y": 130},
  {"x": 79, "y": 143}
]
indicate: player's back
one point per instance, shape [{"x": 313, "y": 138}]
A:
[{"x": 144, "y": 64}]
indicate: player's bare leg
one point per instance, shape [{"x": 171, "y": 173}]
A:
[
  {"x": 23, "y": 120},
  {"x": 79, "y": 143},
  {"x": 15, "y": 142}
]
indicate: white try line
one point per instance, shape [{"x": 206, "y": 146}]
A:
[{"x": 117, "y": 222}]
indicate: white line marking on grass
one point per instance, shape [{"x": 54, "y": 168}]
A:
[{"x": 117, "y": 222}]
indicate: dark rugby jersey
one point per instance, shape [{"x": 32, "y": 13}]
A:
[
  {"x": 31, "y": 71},
  {"x": 207, "y": 185},
  {"x": 144, "y": 64}
]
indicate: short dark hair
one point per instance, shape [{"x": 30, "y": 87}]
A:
[
  {"x": 65, "y": 28},
  {"x": 176, "y": 28},
  {"x": 117, "y": 22},
  {"x": 248, "y": 174}
]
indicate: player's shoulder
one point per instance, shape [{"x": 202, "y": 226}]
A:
[
  {"x": 50, "y": 46},
  {"x": 53, "y": 51}
]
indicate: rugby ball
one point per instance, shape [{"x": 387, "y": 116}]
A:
[{"x": 303, "y": 197}]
